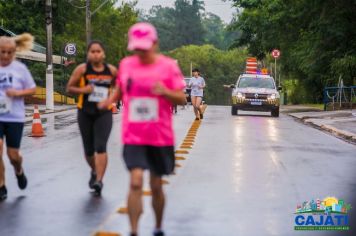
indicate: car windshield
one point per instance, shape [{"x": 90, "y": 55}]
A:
[{"x": 253, "y": 82}]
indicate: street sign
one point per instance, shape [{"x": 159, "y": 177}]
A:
[
  {"x": 276, "y": 53},
  {"x": 70, "y": 49}
]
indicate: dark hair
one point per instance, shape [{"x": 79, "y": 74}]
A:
[
  {"x": 196, "y": 70},
  {"x": 95, "y": 42}
]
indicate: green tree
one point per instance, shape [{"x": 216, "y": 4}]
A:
[
  {"x": 110, "y": 25},
  {"x": 315, "y": 38},
  {"x": 218, "y": 67},
  {"x": 178, "y": 26}
]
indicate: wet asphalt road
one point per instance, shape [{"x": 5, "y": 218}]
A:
[{"x": 244, "y": 176}]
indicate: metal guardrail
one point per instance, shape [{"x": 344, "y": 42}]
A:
[{"x": 337, "y": 98}]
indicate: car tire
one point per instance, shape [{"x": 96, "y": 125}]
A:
[
  {"x": 275, "y": 112},
  {"x": 234, "y": 111}
]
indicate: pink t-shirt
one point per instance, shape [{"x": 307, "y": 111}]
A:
[{"x": 147, "y": 118}]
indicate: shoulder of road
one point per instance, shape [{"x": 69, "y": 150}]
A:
[
  {"x": 43, "y": 111},
  {"x": 339, "y": 123}
]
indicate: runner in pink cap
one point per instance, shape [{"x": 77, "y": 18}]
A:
[
  {"x": 148, "y": 84},
  {"x": 142, "y": 36}
]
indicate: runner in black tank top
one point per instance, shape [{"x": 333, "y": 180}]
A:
[
  {"x": 102, "y": 82},
  {"x": 92, "y": 82}
]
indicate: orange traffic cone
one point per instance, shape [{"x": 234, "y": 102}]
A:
[
  {"x": 114, "y": 109},
  {"x": 37, "y": 130}
]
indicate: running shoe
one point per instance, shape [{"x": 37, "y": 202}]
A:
[
  {"x": 201, "y": 116},
  {"x": 3, "y": 193},
  {"x": 92, "y": 179},
  {"x": 158, "y": 233},
  {"x": 22, "y": 180},
  {"x": 98, "y": 186},
  {"x": 197, "y": 118}
]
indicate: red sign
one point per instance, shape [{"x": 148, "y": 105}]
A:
[{"x": 276, "y": 53}]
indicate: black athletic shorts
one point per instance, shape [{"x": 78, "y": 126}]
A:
[
  {"x": 12, "y": 131},
  {"x": 159, "y": 160},
  {"x": 95, "y": 130}
]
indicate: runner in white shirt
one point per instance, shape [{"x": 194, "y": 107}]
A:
[
  {"x": 15, "y": 83},
  {"x": 197, "y": 84}
]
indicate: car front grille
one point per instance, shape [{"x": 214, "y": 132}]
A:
[{"x": 256, "y": 96}]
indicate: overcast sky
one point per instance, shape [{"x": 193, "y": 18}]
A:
[{"x": 218, "y": 7}]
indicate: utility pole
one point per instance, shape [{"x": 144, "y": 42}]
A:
[
  {"x": 49, "y": 57},
  {"x": 88, "y": 21},
  {"x": 89, "y": 14}
]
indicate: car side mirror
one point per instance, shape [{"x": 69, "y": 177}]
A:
[
  {"x": 229, "y": 86},
  {"x": 279, "y": 88}
]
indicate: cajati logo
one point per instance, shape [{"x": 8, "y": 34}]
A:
[{"x": 327, "y": 214}]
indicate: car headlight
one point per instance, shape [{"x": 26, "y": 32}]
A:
[
  {"x": 240, "y": 95},
  {"x": 272, "y": 96}
]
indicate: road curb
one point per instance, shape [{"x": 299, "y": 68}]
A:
[
  {"x": 28, "y": 117},
  {"x": 45, "y": 112},
  {"x": 345, "y": 135}
]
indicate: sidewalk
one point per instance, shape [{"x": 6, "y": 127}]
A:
[
  {"x": 42, "y": 108},
  {"x": 340, "y": 123}
]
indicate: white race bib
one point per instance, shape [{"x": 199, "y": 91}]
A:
[
  {"x": 99, "y": 94},
  {"x": 143, "y": 110},
  {"x": 5, "y": 105}
]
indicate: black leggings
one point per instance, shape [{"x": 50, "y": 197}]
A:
[{"x": 95, "y": 130}]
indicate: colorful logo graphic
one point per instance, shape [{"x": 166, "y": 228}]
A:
[{"x": 327, "y": 214}]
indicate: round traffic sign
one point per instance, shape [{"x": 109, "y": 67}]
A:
[
  {"x": 70, "y": 49},
  {"x": 276, "y": 53}
]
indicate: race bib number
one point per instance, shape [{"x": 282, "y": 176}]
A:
[
  {"x": 5, "y": 106},
  {"x": 143, "y": 110},
  {"x": 99, "y": 94}
]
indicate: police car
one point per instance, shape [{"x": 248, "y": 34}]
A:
[{"x": 255, "y": 92}]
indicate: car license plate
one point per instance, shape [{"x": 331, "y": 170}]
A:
[{"x": 256, "y": 103}]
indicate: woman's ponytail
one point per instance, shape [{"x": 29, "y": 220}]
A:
[{"x": 24, "y": 42}]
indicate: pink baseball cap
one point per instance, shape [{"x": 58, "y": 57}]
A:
[{"x": 142, "y": 36}]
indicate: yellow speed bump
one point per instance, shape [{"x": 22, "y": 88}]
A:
[
  {"x": 186, "y": 147},
  {"x": 106, "y": 234},
  {"x": 178, "y": 165},
  {"x": 188, "y": 143},
  {"x": 122, "y": 210},
  {"x": 182, "y": 152},
  {"x": 188, "y": 139},
  {"x": 180, "y": 158},
  {"x": 147, "y": 193},
  {"x": 163, "y": 181}
]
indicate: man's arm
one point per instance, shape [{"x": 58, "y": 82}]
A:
[{"x": 175, "y": 96}]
